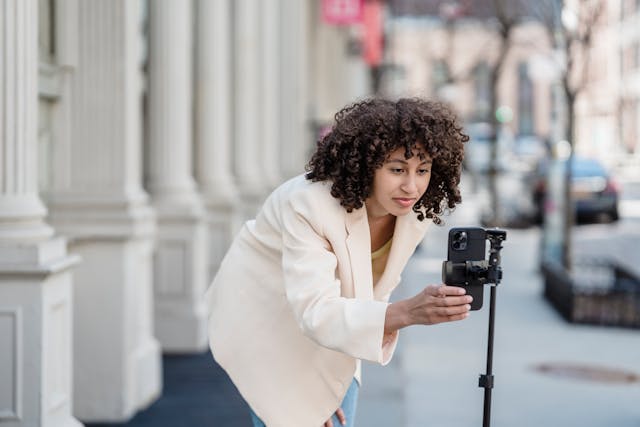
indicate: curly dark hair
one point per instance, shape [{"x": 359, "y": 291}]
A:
[{"x": 366, "y": 132}]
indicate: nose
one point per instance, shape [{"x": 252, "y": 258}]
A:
[{"x": 410, "y": 185}]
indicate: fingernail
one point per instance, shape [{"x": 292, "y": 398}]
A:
[{"x": 469, "y": 298}]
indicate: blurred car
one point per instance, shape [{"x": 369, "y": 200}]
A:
[
  {"x": 594, "y": 190},
  {"x": 478, "y": 150}
]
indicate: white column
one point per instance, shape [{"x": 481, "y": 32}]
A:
[
  {"x": 35, "y": 277},
  {"x": 339, "y": 76},
  {"x": 295, "y": 138},
  {"x": 269, "y": 90},
  {"x": 214, "y": 122},
  {"x": 247, "y": 121},
  {"x": 96, "y": 199},
  {"x": 181, "y": 261}
]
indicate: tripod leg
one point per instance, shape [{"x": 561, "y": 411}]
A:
[{"x": 486, "y": 380}]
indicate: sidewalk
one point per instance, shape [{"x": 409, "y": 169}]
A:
[{"x": 432, "y": 380}]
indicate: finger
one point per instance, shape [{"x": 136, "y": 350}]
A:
[
  {"x": 445, "y": 312},
  {"x": 457, "y": 317},
  {"x": 455, "y": 310},
  {"x": 341, "y": 417},
  {"x": 329, "y": 423},
  {"x": 454, "y": 301},
  {"x": 449, "y": 314},
  {"x": 446, "y": 290}
]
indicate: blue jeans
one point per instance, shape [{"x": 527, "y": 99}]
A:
[{"x": 348, "y": 406}]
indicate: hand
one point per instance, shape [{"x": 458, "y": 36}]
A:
[
  {"x": 341, "y": 417},
  {"x": 437, "y": 304}
]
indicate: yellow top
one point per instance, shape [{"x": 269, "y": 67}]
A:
[{"x": 379, "y": 260}]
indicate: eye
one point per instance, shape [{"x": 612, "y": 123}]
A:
[
  {"x": 423, "y": 171},
  {"x": 397, "y": 170}
]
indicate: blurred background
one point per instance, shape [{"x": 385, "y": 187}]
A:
[{"x": 138, "y": 135}]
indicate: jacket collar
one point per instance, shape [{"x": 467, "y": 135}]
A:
[
  {"x": 359, "y": 247},
  {"x": 407, "y": 234}
]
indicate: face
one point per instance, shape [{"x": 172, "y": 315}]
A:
[{"x": 399, "y": 183}]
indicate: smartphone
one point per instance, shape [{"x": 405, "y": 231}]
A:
[{"x": 467, "y": 244}]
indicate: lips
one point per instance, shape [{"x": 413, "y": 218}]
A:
[{"x": 404, "y": 202}]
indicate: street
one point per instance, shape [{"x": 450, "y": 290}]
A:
[{"x": 432, "y": 380}]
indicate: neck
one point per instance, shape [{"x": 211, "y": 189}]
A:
[
  {"x": 375, "y": 215},
  {"x": 381, "y": 229}
]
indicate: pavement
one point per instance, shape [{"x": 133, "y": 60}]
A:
[{"x": 548, "y": 372}]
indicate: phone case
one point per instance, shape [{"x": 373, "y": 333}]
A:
[{"x": 475, "y": 250}]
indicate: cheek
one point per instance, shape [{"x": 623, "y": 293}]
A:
[{"x": 425, "y": 183}]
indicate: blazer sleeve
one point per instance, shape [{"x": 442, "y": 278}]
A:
[{"x": 348, "y": 325}]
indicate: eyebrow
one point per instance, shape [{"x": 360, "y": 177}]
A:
[{"x": 424, "y": 162}]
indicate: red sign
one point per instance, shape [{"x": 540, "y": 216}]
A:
[
  {"x": 342, "y": 12},
  {"x": 372, "y": 42}
]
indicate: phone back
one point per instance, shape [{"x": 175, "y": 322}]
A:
[{"x": 468, "y": 244}]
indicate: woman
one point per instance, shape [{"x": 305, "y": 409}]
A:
[{"x": 302, "y": 294}]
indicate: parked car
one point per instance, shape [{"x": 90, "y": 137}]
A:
[{"x": 594, "y": 191}]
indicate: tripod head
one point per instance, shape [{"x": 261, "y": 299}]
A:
[{"x": 494, "y": 272}]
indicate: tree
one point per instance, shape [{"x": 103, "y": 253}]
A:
[
  {"x": 508, "y": 15},
  {"x": 570, "y": 26}
]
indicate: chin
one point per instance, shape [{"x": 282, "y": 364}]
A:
[{"x": 402, "y": 212}]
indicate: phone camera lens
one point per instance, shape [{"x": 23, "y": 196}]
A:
[{"x": 459, "y": 242}]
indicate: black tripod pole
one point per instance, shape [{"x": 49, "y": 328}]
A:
[
  {"x": 486, "y": 380},
  {"x": 496, "y": 237}
]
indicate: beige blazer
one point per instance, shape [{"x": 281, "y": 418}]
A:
[{"x": 292, "y": 307}]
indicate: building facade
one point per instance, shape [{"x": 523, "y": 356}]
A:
[
  {"x": 137, "y": 137},
  {"x": 607, "y": 107}
]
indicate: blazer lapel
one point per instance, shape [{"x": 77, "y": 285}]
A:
[
  {"x": 407, "y": 234},
  {"x": 359, "y": 247}
]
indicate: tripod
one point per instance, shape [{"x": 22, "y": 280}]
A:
[{"x": 494, "y": 276}]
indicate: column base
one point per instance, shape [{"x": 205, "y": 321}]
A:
[
  {"x": 148, "y": 361},
  {"x": 221, "y": 233},
  {"x": 184, "y": 332},
  {"x": 36, "y": 313},
  {"x": 181, "y": 278},
  {"x": 118, "y": 361}
]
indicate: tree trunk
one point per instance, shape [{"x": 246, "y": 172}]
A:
[
  {"x": 495, "y": 218},
  {"x": 569, "y": 202}
]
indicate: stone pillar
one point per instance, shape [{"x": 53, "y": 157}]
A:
[
  {"x": 269, "y": 91},
  {"x": 296, "y": 137},
  {"x": 213, "y": 124},
  {"x": 36, "y": 307},
  {"x": 181, "y": 261},
  {"x": 337, "y": 79},
  {"x": 248, "y": 138},
  {"x": 96, "y": 199}
]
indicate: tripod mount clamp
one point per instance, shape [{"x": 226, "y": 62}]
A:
[{"x": 485, "y": 381}]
